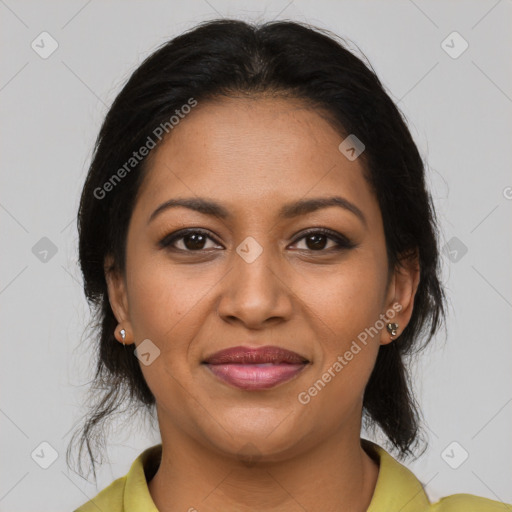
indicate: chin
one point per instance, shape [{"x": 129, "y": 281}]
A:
[{"x": 252, "y": 443}]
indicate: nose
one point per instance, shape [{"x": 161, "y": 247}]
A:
[{"x": 255, "y": 293}]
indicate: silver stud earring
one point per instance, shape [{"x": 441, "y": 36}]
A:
[
  {"x": 392, "y": 328},
  {"x": 123, "y": 334}
]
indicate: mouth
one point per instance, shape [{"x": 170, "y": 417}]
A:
[{"x": 255, "y": 369}]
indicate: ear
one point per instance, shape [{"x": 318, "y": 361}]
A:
[
  {"x": 118, "y": 299},
  {"x": 401, "y": 292}
]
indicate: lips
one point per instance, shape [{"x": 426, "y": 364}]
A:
[
  {"x": 255, "y": 369},
  {"x": 262, "y": 355}
]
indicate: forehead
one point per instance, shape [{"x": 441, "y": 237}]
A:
[{"x": 248, "y": 152}]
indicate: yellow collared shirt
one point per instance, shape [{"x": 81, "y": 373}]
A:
[{"x": 397, "y": 490}]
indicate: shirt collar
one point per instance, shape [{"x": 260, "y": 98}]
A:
[
  {"x": 397, "y": 488},
  {"x": 136, "y": 496}
]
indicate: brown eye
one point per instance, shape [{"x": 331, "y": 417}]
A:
[
  {"x": 194, "y": 241},
  {"x": 190, "y": 241},
  {"x": 317, "y": 241}
]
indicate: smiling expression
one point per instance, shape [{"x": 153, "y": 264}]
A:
[{"x": 252, "y": 229}]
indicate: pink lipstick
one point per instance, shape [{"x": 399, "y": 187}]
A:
[{"x": 255, "y": 368}]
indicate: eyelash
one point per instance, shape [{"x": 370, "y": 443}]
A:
[{"x": 342, "y": 242}]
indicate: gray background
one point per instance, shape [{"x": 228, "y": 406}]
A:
[{"x": 459, "y": 113}]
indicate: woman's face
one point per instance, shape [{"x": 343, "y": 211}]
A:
[{"x": 255, "y": 277}]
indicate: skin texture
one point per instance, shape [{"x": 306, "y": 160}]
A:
[{"x": 253, "y": 155}]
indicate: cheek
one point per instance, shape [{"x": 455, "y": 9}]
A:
[
  {"x": 154, "y": 303},
  {"x": 350, "y": 297},
  {"x": 347, "y": 306},
  {"x": 168, "y": 305},
  {"x": 348, "y": 348},
  {"x": 164, "y": 307},
  {"x": 160, "y": 295}
]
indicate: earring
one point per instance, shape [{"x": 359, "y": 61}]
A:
[
  {"x": 392, "y": 328},
  {"x": 122, "y": 333}
]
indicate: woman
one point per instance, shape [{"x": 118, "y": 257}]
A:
[{"x": 258, "y": 240}]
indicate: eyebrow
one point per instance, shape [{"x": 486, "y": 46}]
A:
[{"x": 288, "y": 211}]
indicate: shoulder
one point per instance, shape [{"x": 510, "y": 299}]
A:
[
  {"x": 130, "y": 489},
  {"x": 468, "y": 503},
  {"x": 397, "y": 488},
  {"x": 110, "y": 498}
]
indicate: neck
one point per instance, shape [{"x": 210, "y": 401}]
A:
[{"x": 334, "y": 475}]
